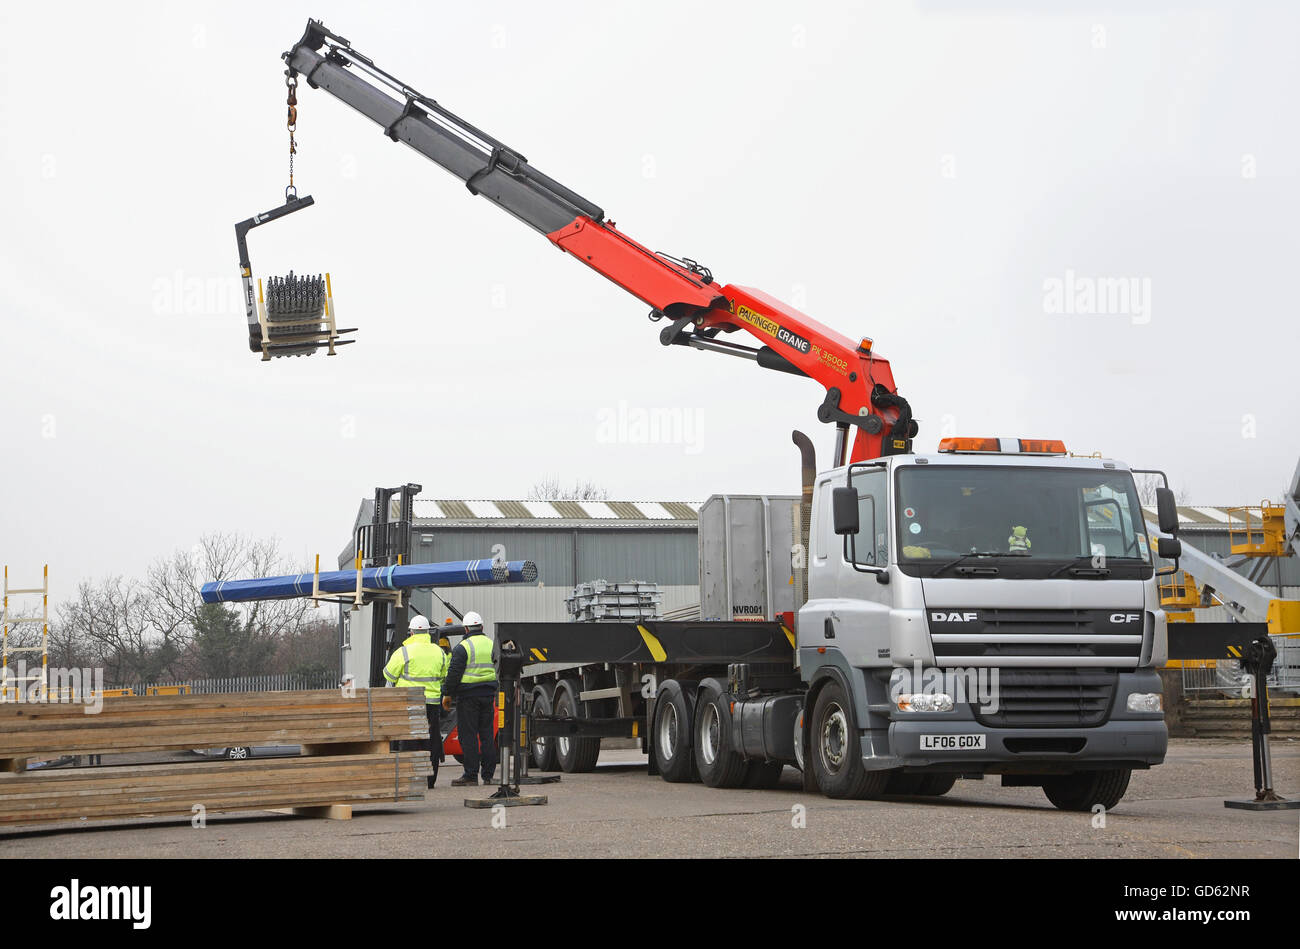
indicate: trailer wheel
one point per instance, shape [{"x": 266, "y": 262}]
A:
[
  {"x": 541, "y": 751},
  {"x": 575, "y": 755},
  {"x": 674, "y": 721},
  {"x": 836, "y": 758},
  {"x": 1086, "y": 789},
  {"x": 764, "y": 774},
  {"x": 719, "y": 766}
]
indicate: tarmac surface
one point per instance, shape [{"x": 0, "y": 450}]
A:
[{"x": 1174, "y": 810}]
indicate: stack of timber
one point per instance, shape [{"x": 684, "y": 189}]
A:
[
  {"x": 1230, "y": 718},
  {"x": 159, "y": 790},
  {"x": 129, "y": 724},
  {"x": 345, "y": 754}
]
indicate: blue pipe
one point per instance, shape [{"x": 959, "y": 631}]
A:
[{"x": 452, "y": 574}]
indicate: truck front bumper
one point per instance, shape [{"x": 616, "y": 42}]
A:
[{"x": 1122, "y": 743}]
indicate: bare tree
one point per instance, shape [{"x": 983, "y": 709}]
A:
[
  {"x": 252, "y": 630},
  {"x": 312, "y": 650},
  {"x": 1147, "y": 484},
  {"x": 549, "y": 489},
  {"x": 110, "y": 625}
]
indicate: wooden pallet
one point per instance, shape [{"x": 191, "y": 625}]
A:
[
  {"x": 131, "y": 724},
  {"x": 324, "y": 785}
]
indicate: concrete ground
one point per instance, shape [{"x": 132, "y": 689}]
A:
[{"x": 1175, "y": 810}]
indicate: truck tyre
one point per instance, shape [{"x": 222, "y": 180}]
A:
[
  {"x": 902, "y": 783},
  {"x": 922, "y": 785},
  {"x": 936, "y": 785},
  {"x": 1086, "y": 789},
  {"x": 541, "y": 751},
  {"x": 575, "y": 755},
  {"x": 836, "y": 756},
  {"x": 674, "y": 723},
  {"x": 719, "y": 766},
  {"x": 764, "y": 774}
]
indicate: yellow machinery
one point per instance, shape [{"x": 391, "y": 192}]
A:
[{"x": 1258, "y": 530}]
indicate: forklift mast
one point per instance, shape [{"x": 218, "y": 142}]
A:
[{"x": 386, "y": 542}]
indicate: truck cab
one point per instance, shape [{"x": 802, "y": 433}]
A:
[{"x": 987, "y": 609}]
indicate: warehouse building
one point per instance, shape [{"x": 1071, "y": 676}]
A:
[
  {"x": 579, "y": 541},
  {"x": 570, "y": 541}
]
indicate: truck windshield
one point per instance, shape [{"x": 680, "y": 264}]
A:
[{"x": 1032, "y": 514}]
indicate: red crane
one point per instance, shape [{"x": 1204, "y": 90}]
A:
[{"x": 859, "y": 384}]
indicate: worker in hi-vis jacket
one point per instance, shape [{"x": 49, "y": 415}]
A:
[
  {"x": 421, "y": 661},
  {"x": 472, "y": 680}
]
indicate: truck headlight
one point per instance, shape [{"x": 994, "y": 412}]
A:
[
  {"x": 1145, "y": 702},
  {"x": 925, "y": 702}
]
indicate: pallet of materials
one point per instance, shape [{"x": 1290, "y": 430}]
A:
[
  {"x": 131, "y": 724},
  {"x": 601, "y": 600},
  {"x": 325, "y": 785}
]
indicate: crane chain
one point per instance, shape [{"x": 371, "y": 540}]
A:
[{"x": 291, "y": 81}]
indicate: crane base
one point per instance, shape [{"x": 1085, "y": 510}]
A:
[
  {"x": 509, "y": 799},
  {"x": 1273, "y": 803}
]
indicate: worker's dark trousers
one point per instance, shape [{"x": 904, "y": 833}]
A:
[
  {"x": 474, "y": 721},
  {"x": 434, "y": 745}
]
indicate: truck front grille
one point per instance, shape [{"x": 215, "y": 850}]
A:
[
  {"x": 1050, "y": 698},
  {"x": 1032, "y": 638}
]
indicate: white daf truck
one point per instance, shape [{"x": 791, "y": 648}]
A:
[{"x": 989, "y": 609}]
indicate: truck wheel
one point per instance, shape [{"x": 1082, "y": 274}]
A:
[
  {"x": 901, "y": 783},
  {"x": 922, "y": 785},
  {"x": 541, "y": 751},
  {"x": 1085, "y": 790},
  {"x": 575, "y": 755},
  {"x": 764, "y": 774},
  {"x": 719, "y": 766},
  {"x": 936, "y": 785},
  {"x": 836, "y": 756},
  {"x": 673, "y": 726}
]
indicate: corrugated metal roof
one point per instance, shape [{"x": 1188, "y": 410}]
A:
[
  {"x": 680, "y": 510},
  {"x": 1202, "y": 516},
  {"x": 514, "y": 509},
  {"x": 545, "y": 513},
  {"x": 625, "y": 509},
  {"x": 570, "y": 509},
  {"x": 457, "y": 509}
]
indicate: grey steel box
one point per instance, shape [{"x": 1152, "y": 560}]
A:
[{"x": 745, "y": 543}]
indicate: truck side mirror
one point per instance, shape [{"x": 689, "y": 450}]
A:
[
  {"x": 844, "y": 508},
  {"x": 1166, "y": 511},
  {"x": 1169, "y": 548}
]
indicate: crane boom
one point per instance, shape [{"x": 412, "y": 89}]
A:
[{"x": 859, "y": 385}]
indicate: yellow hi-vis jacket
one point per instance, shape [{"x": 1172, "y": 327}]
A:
[
  {"x": 419, "y": 661},
  {"x": 478, "y": 660}
]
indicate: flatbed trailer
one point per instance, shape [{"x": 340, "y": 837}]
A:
[{"x": 588, "y": 681}]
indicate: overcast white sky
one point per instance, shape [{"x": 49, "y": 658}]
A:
[{"x": 920, "y": 173}]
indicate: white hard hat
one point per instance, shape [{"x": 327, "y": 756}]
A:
[
  {"x": 471, "y": 619},
  {"x": 419, "y": 624}
]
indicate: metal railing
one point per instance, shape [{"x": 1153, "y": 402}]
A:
[
  {"x": 1225, "y": 675},
  {"x": 263, "y": 683}
]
